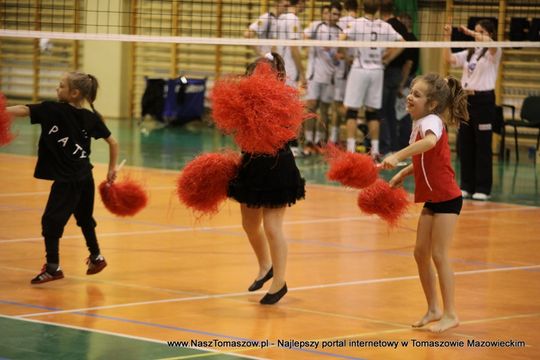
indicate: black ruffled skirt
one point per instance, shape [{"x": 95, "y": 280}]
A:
[{"x": 268, "y": 181}]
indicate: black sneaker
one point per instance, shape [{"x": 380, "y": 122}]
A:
[
  {"x": 95, "y": 264},
  {"x": 46, "y": 276}
]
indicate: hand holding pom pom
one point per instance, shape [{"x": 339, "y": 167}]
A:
[{"x": 124, "y": 198}]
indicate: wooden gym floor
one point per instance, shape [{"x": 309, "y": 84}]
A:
[{"x": 353, "y": 284}]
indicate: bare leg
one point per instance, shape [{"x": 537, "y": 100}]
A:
[
  {"x": 310, "y": 125},
  {"x": 338, "y": 113},
  {"x": 373, "y": 127},
  {"x": 251, "y": 222},
  {"x": 273, "y": 227},
  {"x": 323, "y": 124},
  {"x": 443, "y": 232},
  {"x": 426, "y": 271},
  {"x": 351, "y": 135}
]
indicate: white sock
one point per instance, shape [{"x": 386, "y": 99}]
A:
[
  {"x": 334, "y": 134},
  {"x": 309, "y": 136},
  {"x": 351, "y": 145},
  {"x": 375, "y": 146},
  {"x": 318, "y": 137}
]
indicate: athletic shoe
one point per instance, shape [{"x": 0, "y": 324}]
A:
[
  {"x": 95, "y": 264},
  {"x": 47, "y": 275},
  {"x": 480, "y": 196},
  {"x": 465, "y": 194}
]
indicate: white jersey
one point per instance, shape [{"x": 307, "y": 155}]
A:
[
  {"x": 288, "y": 28},
  {"x": 341, "y": 69},
  {"x": 321, "y": 60},
  {"x": 480, "y": 72},
  {"x": 266, "y": 28},
  {"x": 363, "y": 29}
]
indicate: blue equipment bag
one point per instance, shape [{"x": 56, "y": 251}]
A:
[{"x": 184, "y": 100}]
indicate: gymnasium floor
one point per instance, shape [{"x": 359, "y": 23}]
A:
[{"x": 172, "y": 277}]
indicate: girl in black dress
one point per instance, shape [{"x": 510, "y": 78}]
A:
[{"x": 264, "y": 187}]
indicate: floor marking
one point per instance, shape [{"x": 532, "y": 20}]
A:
[
  {"x": 410, "y": 328},
  {"x": 174, "y": 228},
  {"x": 105, "y": 332},
  {"x": 245, "y": 293}
]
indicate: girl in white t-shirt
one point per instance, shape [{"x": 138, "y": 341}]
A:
[
  {"x": 432, "y": 103},
  {"x": 480, "y": 67}
]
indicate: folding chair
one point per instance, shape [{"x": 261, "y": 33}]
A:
[{"x": 530, "y": 118}]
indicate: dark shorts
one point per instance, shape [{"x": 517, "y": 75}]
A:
[{"x": 446, "y": 207}]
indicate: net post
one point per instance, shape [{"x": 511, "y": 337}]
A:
[
  {"x": 500, "y": 35},
  {"x": 36, "y": 53},
  {"x": 174, "y": 46},
  {"x": 449, "y": 14},
  {"x": 219, "y": 34}
]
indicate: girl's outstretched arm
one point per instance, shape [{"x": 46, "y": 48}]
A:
[
  {"x": 421, "y": 146},
  {"x": 113, "y": 158},
  {"x": 18, "y": 110}
]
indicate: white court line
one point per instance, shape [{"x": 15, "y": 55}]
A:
[
  {"x": 107, "y": 282},
  {"x": 301, "y": 288},
  {"x": 36, "y": 193},
  {"x": 467, "y": 322},
  {"x": 224, "y": 227},
  {"x": 162, "y": 187},
  {"x": 104, "y": 332},
  {"x": 192, "y": 228}
]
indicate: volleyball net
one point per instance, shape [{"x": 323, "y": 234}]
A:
[
  {"x": 207, "y": 38},
  {"x": 224, "y": 22}
]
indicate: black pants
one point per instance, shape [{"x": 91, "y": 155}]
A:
[
  {"x": 388, "y": 132},
  {"x": 66, "y": 198},
  {"x": 474, "y": 141}
]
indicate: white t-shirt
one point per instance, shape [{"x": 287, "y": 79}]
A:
[
  {"x": 344, "y": 23},
  {"x": 288, "y": 28},
  {"x": 266, "y": 28},
  {"x": 363, "y": 29},
  {"x": 479, "y": 75},
  {"x": 429, "y": 122},
  {"x": 321, "y": 60}
]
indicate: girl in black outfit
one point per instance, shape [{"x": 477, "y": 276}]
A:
[
  {"x": 63, "y": 157},
  {"x": 265, "y": 186}
]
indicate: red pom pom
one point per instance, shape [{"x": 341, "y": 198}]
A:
[
  {"x": 260, "y": 111},
  {"x": 382, "y": 200},
  {"x": 204, "y": 181},
  {"x": 6, "y": 136},
  {"x": 123, "y": 198},
  {"x": 350, "y": 169}
]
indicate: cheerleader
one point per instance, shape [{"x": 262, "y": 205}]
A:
[{"x": 265, "y": 186}]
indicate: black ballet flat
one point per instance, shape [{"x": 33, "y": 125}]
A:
[
  {"x": 270, "y": 299},
  {"x": 257, "y": 284}
]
